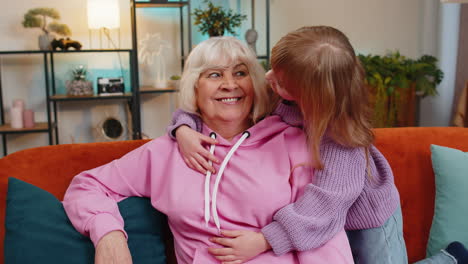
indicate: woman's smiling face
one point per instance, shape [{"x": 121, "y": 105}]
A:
[{"x": 225, "y": 94}]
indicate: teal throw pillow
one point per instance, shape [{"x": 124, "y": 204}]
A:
[
  {"x": 37, "y": 230},
  {"x": 450, "y": 222}
]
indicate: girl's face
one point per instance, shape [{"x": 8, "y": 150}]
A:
[
  {"x": 276, "y": 85},
  {"x": 225, "y": 93}
]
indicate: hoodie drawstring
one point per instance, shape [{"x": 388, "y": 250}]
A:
[
  {"x": 207, "y": 183},
  {"x": 214, "y": 209}
]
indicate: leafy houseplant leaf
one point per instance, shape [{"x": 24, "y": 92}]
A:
[
  {"x": 394, "y": 78},
  {"x": 216, "y": 21}
]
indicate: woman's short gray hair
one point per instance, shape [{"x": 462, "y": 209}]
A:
[{"x": 221, "y": 52}]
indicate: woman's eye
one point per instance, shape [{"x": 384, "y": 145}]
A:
[
  {"x": 214, "y": 75},
  {"x": 241, "y": 73}
]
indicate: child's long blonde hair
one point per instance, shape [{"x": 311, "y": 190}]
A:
[{"x": 318, "y": 67}]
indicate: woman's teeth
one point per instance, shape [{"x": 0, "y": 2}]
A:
[{"x": 228, "y": 100}]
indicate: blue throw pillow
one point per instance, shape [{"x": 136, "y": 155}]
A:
[
  {"x": 37, "y": 230},
  {"x": 450, "y": 222}
]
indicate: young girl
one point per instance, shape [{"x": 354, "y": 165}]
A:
[{"x": 317, "y": 69}]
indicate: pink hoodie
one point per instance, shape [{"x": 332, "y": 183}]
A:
[{"x": 263, "y": 175}]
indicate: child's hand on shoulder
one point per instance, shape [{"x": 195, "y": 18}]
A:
[{"x": 191, "y": 148}]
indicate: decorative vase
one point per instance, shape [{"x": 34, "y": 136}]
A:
[
  {"x": 79, "y": 87},
  {"x": 44, "y": 41},
  {"x": 160, "y": 68},
  {"x": 216, "y": 32},
  {"x": 175, "y": 84}
]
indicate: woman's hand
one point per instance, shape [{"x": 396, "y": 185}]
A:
[
  {"x": 192, "y": 150},
  {"x": 113, "y": 249},
  {"x": 239, "y": 246}
]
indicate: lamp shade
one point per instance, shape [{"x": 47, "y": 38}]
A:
[{"x": 103, "y": 14}]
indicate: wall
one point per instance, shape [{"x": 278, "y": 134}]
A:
[
  {"x": 373, "y": 26},
  {"x": 437, "y": 111},
  {"x": 462, "y": 66}
]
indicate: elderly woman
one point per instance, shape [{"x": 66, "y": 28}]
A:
[{"x": 262, "y": 169}]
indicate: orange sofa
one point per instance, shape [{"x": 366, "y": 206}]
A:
[{"x": 407, "y": 149}]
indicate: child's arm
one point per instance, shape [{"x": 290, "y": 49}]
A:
[
  {"x": 184, "y": 127},
  {"x": 180, "y": 118},
  {"x": 289, "y": 113},
  {"x": 238, "y": 246},
  {"x": 321, "y": 211}
]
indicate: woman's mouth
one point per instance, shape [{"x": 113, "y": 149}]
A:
[{"x": 229, "y": 100}]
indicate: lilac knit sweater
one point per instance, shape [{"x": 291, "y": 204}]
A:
[{"x": 342, "y": 194}]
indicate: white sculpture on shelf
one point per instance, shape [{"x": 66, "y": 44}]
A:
[{"x": 151, "y": 52}]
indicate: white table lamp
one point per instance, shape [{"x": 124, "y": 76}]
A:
[{"x": 104, "y": 15}]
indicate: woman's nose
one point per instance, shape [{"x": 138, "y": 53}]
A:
[{"x": 229, "y": 82}]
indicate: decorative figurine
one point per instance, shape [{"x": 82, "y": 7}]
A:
[
  {"x": 251, "y": 35},
  {"x": 65, "y": 44},
  {"x": 152, "y": 52},
  {"x": 79, "y": 85}
]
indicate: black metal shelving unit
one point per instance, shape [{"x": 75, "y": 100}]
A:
[
  {"x": 132, "y": 98},
  {"x": 184, "y": 47},
  {"x": 40, "y": 127},
  {"x": 52, "y": 98},
  {"x": 129, "y": 97},
  {"x": 173, "y": 4}
]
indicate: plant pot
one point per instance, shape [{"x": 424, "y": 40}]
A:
[
  {"x": 215, "y": 32},
  {"x": 174, "y": 84},
  {"x": 396, "y": 110},
  {"x": 44, "y": 42},
  {"x": 79, "y": 87}
]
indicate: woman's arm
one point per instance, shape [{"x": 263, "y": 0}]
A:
[
  {"x": 320, "y": 212},
  {"x": 91, "y": 199}
]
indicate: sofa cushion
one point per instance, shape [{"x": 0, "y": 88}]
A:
[
  {"x": 38, "y": 230},
  {"x": 451, "y": 207}
]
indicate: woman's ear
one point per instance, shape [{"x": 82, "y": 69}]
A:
[{"x": 274, "y": 83}]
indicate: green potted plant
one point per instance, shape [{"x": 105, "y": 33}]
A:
[
  {"x": 37, "y": 18},
  {"x": 79, "y": 85},
  {"x": 215, "y": 20},
  {"x": 174, "y": 81},
  {"x": 396, "y": 83}
]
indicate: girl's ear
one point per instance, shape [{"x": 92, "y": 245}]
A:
[
  {"x": 284, "y": 94},
  {"x": 273, "y": 81}
]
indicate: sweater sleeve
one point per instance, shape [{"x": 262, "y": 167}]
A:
[
  {"x": 91, "y": 199},
  {"x": 179, "y": 118},
  {"x": 320, "y": 213},
  {"x": 289, "y": 113}
]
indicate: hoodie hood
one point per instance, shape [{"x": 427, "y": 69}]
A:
[{"x": 259, "y": 132}]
